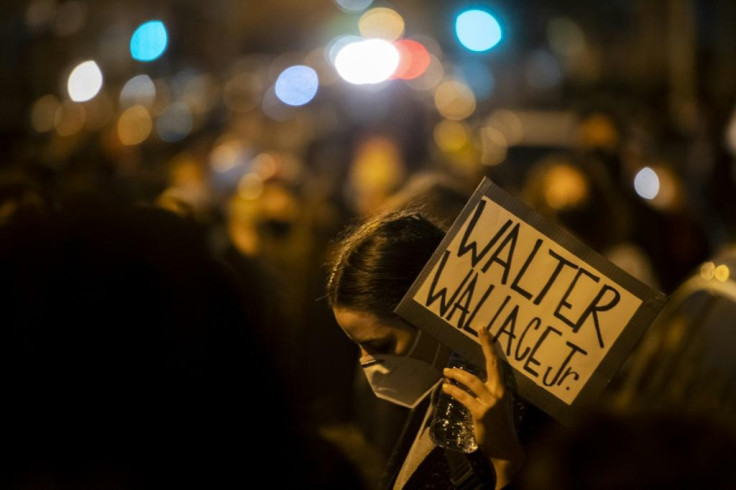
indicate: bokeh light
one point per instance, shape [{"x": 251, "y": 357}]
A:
[
  {"x": 139, "y": 90},
  {"x": 265, "y": 165},
  {"x": 431, "y": 43},
  {"x": 431, "y": 77},
  {"x": 451, "y": 136},
  {"x": 175, "y": 122},
  {"x": 707, "y": 270},
  {"x": 134, "y": 125},
  {"x": 69, "y": 118},
  {"x": 730, "y": 135},
  {"x": 227, "y": 155},
  {"x": 40, "y": 12},
  {"x": 646, "y": 183},
  {"x": 375, "y": 172},
  {"x": 454, "y": 100},
  {"x": 564, "y": 187},
  {"x": 722, "y": 273},
  {"x": 243, "y": 92},
  {"x": 367, "y": 62},
  {"x": 509, "y": 124},
  {"x": 272, "y": 107},
  {"x": 149, "y": 41},
  {"x": 414, "y": 59},
  {"x": 186, "y": 171},
  {"x": 353, "y": 5},
  {"x": 542, "y": 70},
  {"x": 85, "y": 81},
  {"x": 297, "y": 85},
  {"x": 477, "y": 30},
  {"x": 276, "y": 65},
  {"x": 381, "y": 23},
  {"x": 250, "y": 186},
  {"x": 188, "y": 186},
  {"x": 494, "y": 146},
  {"x": 200, "y": 91},
  {"x": 279, "y": 203},
  {"x": 565, "y": 37},
  {"x": 336, "y": 44},
  {"x": 597, "y": 131},
  {"x": 670, "y": 196},
  {"x": 70, "y": 17},
  {"x": 320, "y": 63},
  {"x": 229, "y": 160},
  {"x": 43, "y": 113},
  {"x": 100, "y": 111}
]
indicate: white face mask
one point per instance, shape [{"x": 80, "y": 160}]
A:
[{"x": 401, "y": 379}]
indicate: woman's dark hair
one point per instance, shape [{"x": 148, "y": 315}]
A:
[{"x": 376, "y": 262}]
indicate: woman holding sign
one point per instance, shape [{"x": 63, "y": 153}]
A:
[{"x": 372, "y": 270}]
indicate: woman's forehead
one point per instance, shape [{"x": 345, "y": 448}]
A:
[{"x": 362, "y": 326}]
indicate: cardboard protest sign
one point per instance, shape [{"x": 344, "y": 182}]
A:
[{"x": 564, "y": 317}]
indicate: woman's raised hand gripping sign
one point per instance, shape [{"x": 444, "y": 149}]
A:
[{"x": 490, "y": 405}]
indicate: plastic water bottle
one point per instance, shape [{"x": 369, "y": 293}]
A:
[{"x": 452, "y": 425}]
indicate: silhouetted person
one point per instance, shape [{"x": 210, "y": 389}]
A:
[
  {"x": 635, "y": 450},
  {"x": 130, "y": 360}
]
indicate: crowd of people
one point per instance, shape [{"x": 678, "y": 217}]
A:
[{"x": 166, "y": 323}]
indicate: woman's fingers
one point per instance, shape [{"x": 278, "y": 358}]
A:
[
  {"x": 483, "y": 396},
  {"x": 494, "y": 365},
  {"x": 488, "y": 394},
  {"x": 470, "y": 380},
  {"x": 469, "y": 401}
]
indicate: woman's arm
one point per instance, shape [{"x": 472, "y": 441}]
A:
[{"x": 491, "y": 408}]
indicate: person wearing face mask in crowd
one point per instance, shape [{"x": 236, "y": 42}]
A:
[{"x": 372, "y": 269}]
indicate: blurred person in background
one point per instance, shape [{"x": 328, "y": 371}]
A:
[
  {"x": 280, "y": 229},
  {"x": 580, "y": 196},
  {"x": 130, "y": 359},
  {"x": 438, "y": 196},
  {"x": 19, "y": 196},
  {"x": 637, "y": 449},
  {"x": 377, "y": 170},
  {"x": 639, "y": 173},
  {"x": 685, "y": 360}
]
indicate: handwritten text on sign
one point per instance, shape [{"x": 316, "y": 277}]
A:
[{"x": 554, "y": 315}]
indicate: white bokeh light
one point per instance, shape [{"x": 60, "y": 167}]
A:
[
  {"x": 367, "y": 62},
  {"x": 297, "y": 85},
  {"x": 354, "y": 5},
  {"x": 646, "y": 183},
  {"x": 336, "y": 45},
  {"x": 85, "y": 81}
]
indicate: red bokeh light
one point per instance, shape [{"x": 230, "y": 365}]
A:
[{"x": 413, "y": 59}]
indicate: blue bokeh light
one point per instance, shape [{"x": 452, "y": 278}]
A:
[
  {"x": 478, "y": 30},
  {"x": 149, "y": 41},
  {"x": 296, "y": 85}
]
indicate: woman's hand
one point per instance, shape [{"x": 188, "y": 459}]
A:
[{"x": 491, "y": 408}]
